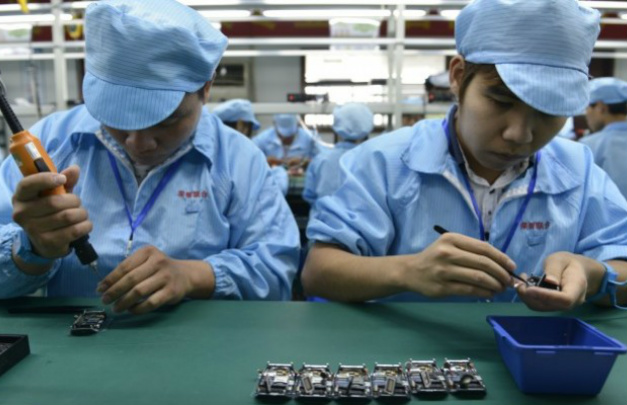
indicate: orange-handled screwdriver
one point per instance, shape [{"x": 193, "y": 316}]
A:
[{"x": 31, "y": 158}]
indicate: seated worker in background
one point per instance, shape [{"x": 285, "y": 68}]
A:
[
  {"x": 287, "y": 144},
  {"x": 352, "y": 123},
  {"x": 179, "y": 204},
  {"x": 409, "y": 119},
  {"x": 607, "y": 119},
  {"x": 239, "y": 115},
  {"x": 511, "y": 200}
]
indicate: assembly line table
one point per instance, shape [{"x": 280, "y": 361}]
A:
[{"x": 208, "y": 352}]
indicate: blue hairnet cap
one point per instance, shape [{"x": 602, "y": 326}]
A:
[
  {"x": 352, "y": 121},
  {"x": 142, "y": 57},
  {"x": 286, "y": 124},
  {"x": 236, "y": 110},
  {"x": 419, "y": 101},
  {"x": 541, "y": 48},
  {"x": 608, "y": 90}
]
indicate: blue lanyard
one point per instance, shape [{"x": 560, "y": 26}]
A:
[
  {"x": 151, "y": 201},
  {"x": 523, "y": 207}
]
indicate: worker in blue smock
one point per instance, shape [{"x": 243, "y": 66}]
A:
[
  {"x": 239, "y": 115},
  {"x": 505, "y": 194},
  {"x": 607, "y": 119},
  {"x": 352, "y": 123},
  {"x": 176, "y": 203},
  {"x": 287, "y": 144}
]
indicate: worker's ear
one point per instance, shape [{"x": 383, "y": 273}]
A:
[
  {"x": 456, "y": 74},
  {"x": 205, "y": 91}
]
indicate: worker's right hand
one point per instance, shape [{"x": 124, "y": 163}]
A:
[
  {"x": 51, "y": 222},
  {"x": 456, "y": 264}
]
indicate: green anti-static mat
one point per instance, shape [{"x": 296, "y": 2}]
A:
[{"x": 204, "y": 352}]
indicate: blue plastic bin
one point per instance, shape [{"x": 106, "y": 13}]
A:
[{"x": 555, "y": 355}]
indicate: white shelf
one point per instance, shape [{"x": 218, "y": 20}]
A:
[
  {"x": 395, "y": 45},
  {"x": 327, "y": 108},
  {"x": 24, "y": 111}
]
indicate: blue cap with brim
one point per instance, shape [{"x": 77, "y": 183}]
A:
[
  {"x": 608, "y": 90},
  {"x": 236, "y": 110},
  {"x": 142, "y": 57},
  {"x": 286, "y": 124},
  {"x": 541, "y": 48},
  {"x": 352, "y": 121}
]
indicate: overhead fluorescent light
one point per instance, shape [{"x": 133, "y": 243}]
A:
[
  {"x": 16, "y": 26},
  {"x": 80, "y": 4},
  {"x": 31, "y": 18},
  {"x": 6, "y": 8},
  {"x": 408, "y": 14},
  {"x": 623, "y": 16},
  {"x": 224, "y": 14},
  {"x": 452, "y": 14},
  {"x": 323, "y": 13}
]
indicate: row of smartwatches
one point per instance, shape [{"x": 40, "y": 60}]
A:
[{"x": 418, "y": 377}]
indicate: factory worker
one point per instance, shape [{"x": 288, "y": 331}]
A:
[
  {"x": 352, "y": 123},
  {"x": 606, "y": 115},
  {"x": 510, "y": 199},
  {"x": 409, "y": 119},
  {"x": 239, "y": 115},
  {"x": 286, "y": 143},
  {"x": 176, "y": 203}
]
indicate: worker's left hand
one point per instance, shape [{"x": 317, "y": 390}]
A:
[
  {"x": 149, "y": 279},
  {"x": 567, "y": 270}
]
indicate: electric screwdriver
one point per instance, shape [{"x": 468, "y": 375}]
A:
[{"x": 32, "y": 158}]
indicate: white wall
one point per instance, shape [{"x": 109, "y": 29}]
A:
[
  {"x": 17, "y": 79},
  {"x": 273, "y": 78},
  {"x": 620, "y": 68}
]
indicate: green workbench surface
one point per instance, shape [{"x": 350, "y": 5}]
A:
[{"x": 204, "y": 352}]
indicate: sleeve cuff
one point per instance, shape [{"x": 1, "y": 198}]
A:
[
  {"x": 225, "y": 286},
  {"x": 608, "y": 252},
  {"x": 10, "y": 273}
]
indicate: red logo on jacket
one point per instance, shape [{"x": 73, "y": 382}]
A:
[
  {"x": 530, "y": 225},
  {"x": 193, "y": 194}
]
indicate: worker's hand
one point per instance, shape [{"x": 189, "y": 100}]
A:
[
  {"x": 295, "y": 171},
  {"x": 51, "y": 222},
  {"x": 567, "y": 270},
  {"x": 149, "y": 279},
  {"x": 456, "y": 264},
  {"x": 274, "y": 161},
  {"x": 295, "y": 162}
]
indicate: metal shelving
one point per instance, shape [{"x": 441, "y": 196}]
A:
[{"x": 395, "y": 45}]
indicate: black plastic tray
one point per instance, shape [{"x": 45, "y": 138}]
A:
[{"x": 13, "y": 348}]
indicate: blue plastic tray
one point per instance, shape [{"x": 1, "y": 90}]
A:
[{"x": 555, "y": 355}]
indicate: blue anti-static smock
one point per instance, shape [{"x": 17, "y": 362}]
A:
[
  {"x": 322, "y": 177},
  {"x": 303, "y": 146},
  {"x": 398, "y": 186},
  {"x": 221, "y": 206},
  {"x": 609, "y": 148}
]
